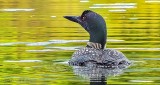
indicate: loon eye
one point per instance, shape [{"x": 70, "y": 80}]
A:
[{"x": 83, "y": 17}]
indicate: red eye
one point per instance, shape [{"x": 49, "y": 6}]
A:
[{"x": 83, "y": 17}]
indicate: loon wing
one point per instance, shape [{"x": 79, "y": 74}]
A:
[
  {"x": 115, "y": 57},
  {"x": 107, "y": 57},
  {"x": 85, "y": 55}
]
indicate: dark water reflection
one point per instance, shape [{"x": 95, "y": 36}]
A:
[
  {"x": 96, "y": 75},
  {"x": 35, "y": 40}
]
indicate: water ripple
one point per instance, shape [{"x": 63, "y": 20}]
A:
[
  {"x": 140, "y": 81},
  {"x": 12, "y": 43},
  {"x": 23, "y": 61},
  {"x": 138, "y": 49},
  {"x": 64, "y": 48},
  {"x": 50, "y": 42},
  {"x": 43, "y": 50},
  {"x": 16, "y": 9}
]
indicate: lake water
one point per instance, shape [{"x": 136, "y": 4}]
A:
[{"x": 36, "y": 41}]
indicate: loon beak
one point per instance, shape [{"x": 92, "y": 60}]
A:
[{"x": 76, "y": 19}]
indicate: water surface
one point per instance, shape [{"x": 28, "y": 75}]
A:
[{"x": 36, "y": 41}]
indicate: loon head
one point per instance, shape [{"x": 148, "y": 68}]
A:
[{"x": 94, "y": 24}]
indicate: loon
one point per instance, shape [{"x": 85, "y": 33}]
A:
[{"x": 95, "y": 51}]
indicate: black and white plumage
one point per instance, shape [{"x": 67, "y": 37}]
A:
[
  {"x": 95, "y": 51},
  {"x": 103, "y": 57}
]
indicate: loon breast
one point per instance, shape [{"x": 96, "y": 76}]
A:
[{"x": 105, "y": 57}]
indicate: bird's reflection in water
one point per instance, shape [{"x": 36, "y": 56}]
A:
[{"x": 98, "y": 73}]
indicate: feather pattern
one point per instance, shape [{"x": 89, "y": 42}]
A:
[{"x": 107, "y": 57}]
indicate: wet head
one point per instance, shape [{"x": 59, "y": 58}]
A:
[{"x": 89, "y": 20}]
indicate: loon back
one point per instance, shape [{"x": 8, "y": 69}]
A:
[{"x": 102, "y": 57}]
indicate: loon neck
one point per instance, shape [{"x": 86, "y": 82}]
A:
[
  {"x": 94, "y": 45},
  {"x": 99, "y": 38}
]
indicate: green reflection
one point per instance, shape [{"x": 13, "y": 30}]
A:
[{"x": 38, "y": 21}]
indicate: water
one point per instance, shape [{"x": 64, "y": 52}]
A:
[{"x": 36, "y": 41}]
